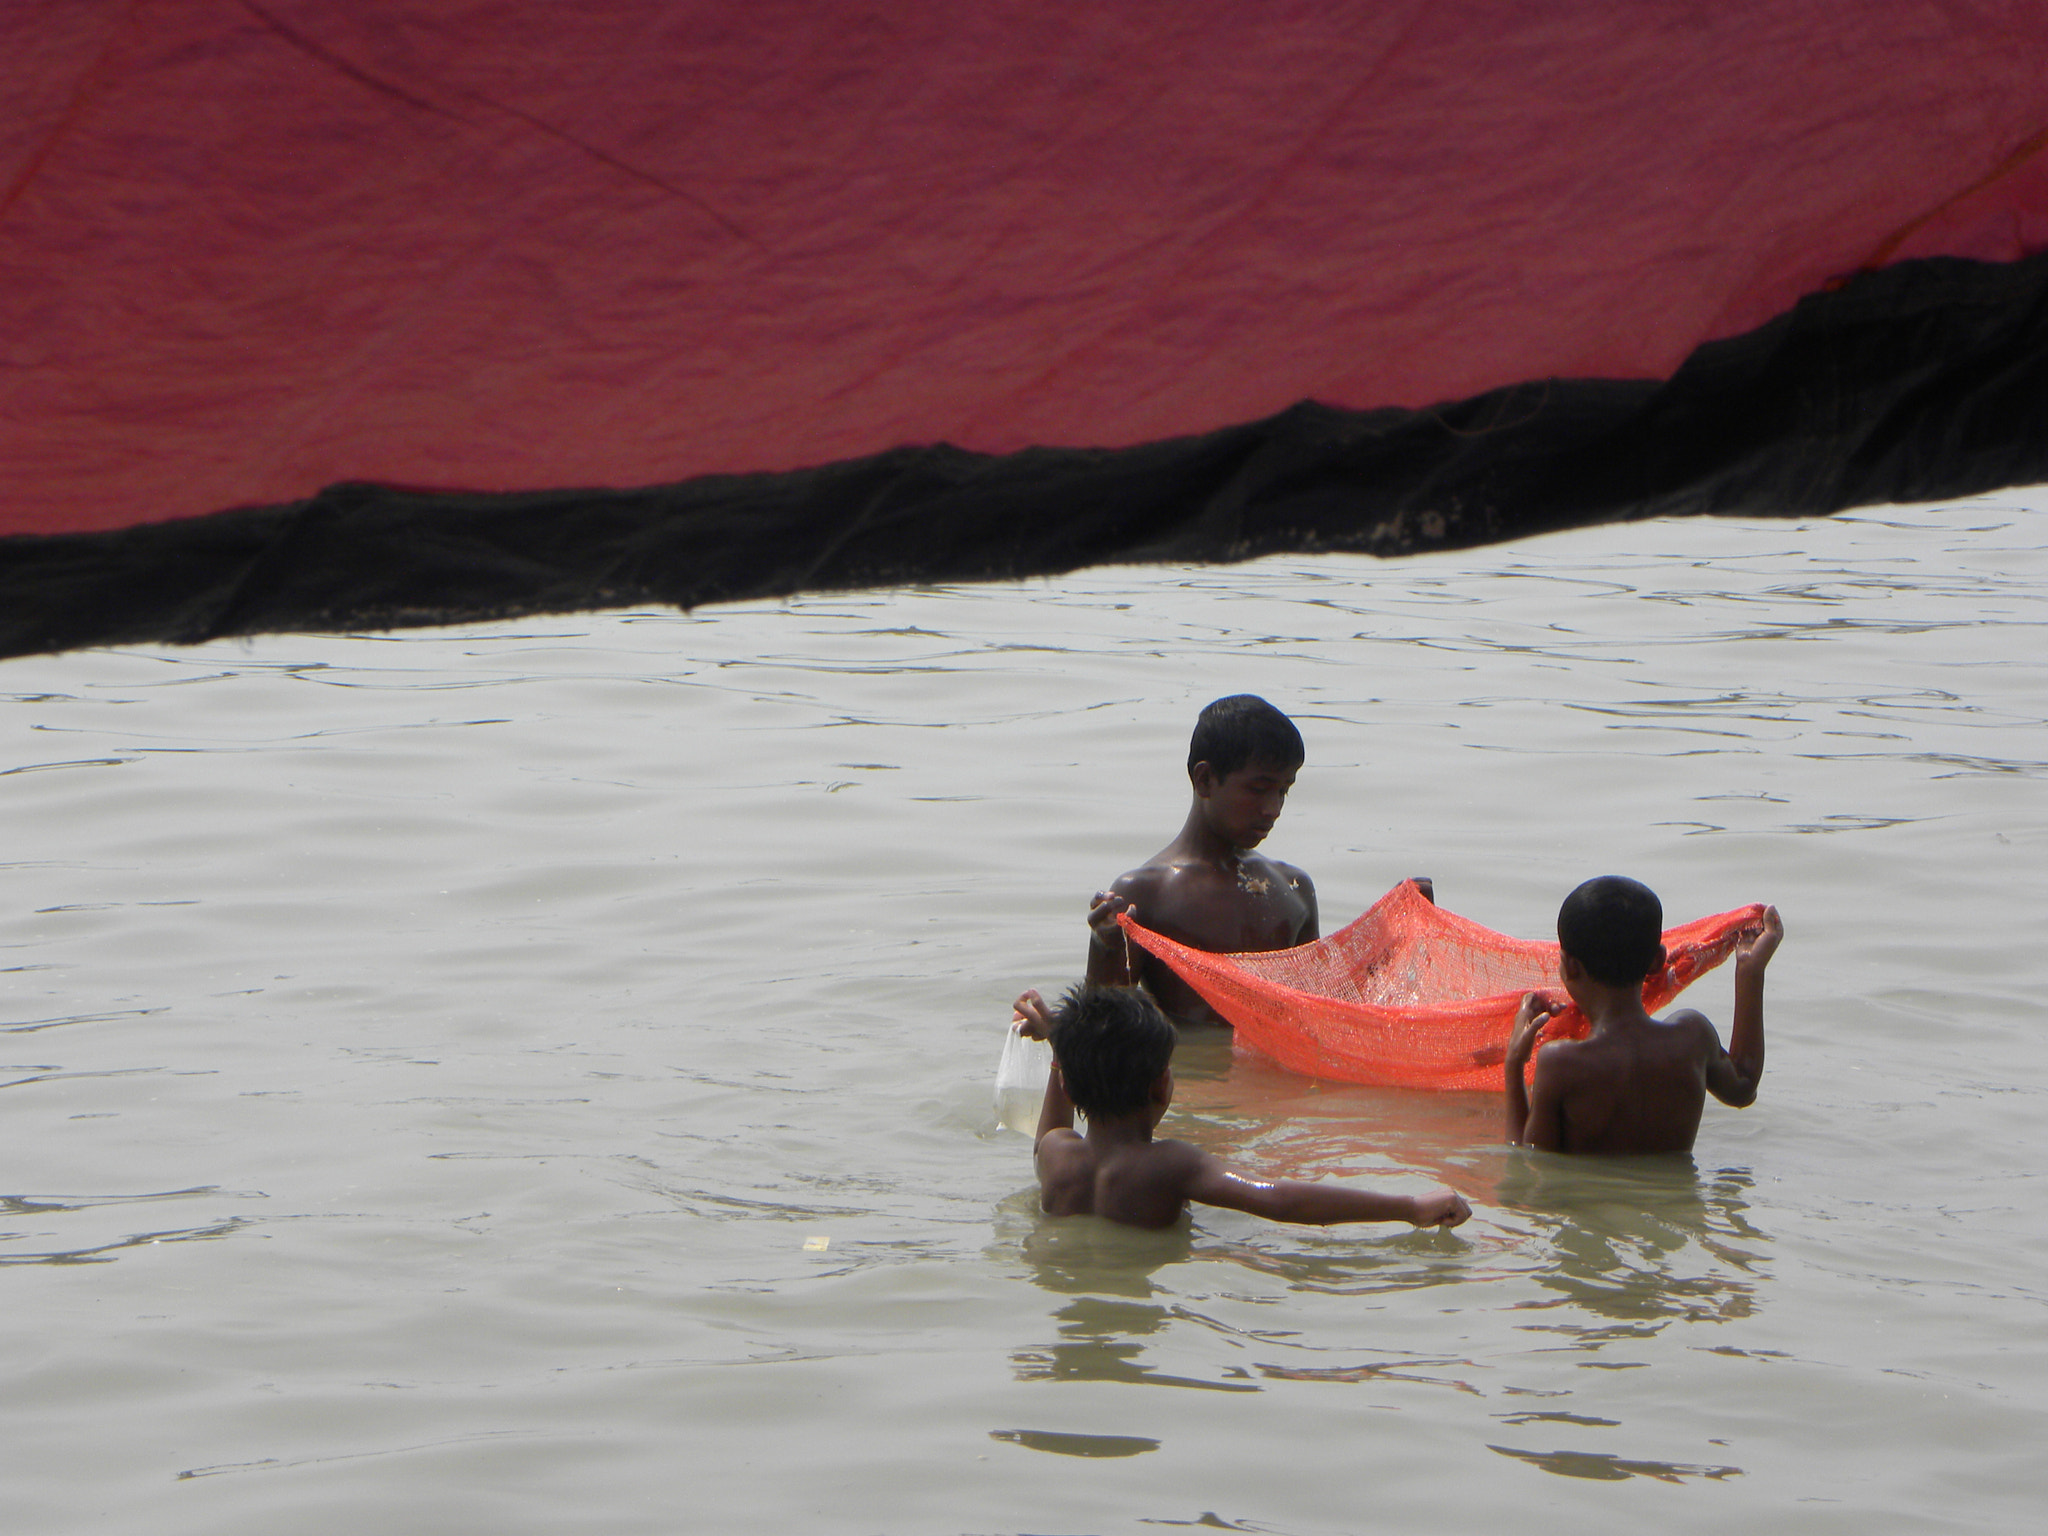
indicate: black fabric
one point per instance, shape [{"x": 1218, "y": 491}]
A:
[{"x": 1915, "y": 383}]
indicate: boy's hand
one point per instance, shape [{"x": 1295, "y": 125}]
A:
[
  {"x": 1445, "y": 1208},
  {"x": 1030, "y": 1017},
  {"x": 1537, "y": 1010},
  {"x": 1102, "y": 911},
  {"x": 1754, "y": 953}
]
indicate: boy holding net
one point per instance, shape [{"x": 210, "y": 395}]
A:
[
  {"x": 1634, "y": 1084},
  {"x": 1209, "y": 888}
]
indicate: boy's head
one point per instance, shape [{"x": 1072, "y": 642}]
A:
[
  {"x": 1614, "y": 927},
  {"x": 1112, "y": 1044},
  {"x": 1243, "y": 729}
]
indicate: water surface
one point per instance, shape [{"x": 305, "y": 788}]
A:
[{"x": 536, "y": 1077}]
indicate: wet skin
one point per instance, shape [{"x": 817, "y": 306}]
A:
[
  {"x": 1635, "y": 1084},
  {"x": 1208, "y": 889},
  {"x": 1121, "y": 1172}
]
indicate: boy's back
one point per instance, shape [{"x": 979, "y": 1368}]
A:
[
  {"x": 1639, "y": 1090},
  {"x": 1141, "y": 1184},
  {"x": 1115, "y": 1044},
  {"x": 1635, "y": 1084}
]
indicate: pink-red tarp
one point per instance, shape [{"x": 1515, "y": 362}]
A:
[{"x": 249, "y": 247}]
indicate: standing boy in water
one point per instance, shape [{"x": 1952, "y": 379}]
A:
[
  {"x": 1207, "y": 888},
  {"x": 1111, "y": 1048},
  {"x": 1635, "y": 1084}
]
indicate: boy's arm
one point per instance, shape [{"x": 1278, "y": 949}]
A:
[
  {"x": 1056, "y": 1113},
  {"x": 1532, "y": 1115},
  {"x": 1733, "y": 1075},
  {"x": 1111, "y": 959},
  {"x": 1212, "y": 1182},
  {"x": 1031, "y": 1018}
]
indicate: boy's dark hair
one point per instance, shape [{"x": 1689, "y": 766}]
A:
[
  {"x": 1242, "y": 729},
  {"x": 1111, "y": 1043},
  {"x": 1614, "y": 927}
]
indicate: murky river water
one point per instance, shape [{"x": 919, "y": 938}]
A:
[{"x": 536, "y": 1078}]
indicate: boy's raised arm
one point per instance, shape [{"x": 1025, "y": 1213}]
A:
[
  {"x": 1732, "y": 1077},
  {"x": 1032, "y": 1019}
]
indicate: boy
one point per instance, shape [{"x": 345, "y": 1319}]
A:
[
  {"x": 1111, "y": 1047},
  {"x": 1635, "y": 1084},
  {"x": 1207, "y": 888}
]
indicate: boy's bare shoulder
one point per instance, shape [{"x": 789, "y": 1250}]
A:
[
  {"x": 1294, "y": 874},
  {"x": 1147, "y": 880},
  {"x": 1170, "y": 894},
  {"x": 1693, "y": 1033},
  {"x": 1165, "y": 870},
  {"x": 1066, "y": 1173},
  {"x": 1172, "y": 1156},
  {"x": 1153, "y": 1187},
  {"x": 1562, "y": 1060}
]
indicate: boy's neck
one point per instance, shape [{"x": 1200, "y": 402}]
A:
[
  {"x": 1132, "y": 1127},
  {"x": 1609, "y": 1008},
  {"x": 1199, "y": 840}
]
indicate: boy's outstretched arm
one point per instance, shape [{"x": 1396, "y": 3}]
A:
[
  {"x": 1213, "y": 1182},
  {"x": 1733, "y": 1075}
]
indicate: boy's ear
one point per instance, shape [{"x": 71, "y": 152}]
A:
[
  {"x": 1568, "y": 967},
  {"x": 1203, "y": 777},
  {"x": 1658, "y": 964},
  {"x": 1162, "y": 1088}
]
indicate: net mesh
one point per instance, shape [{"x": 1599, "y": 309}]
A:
[{"x": 1409, "y": 995}]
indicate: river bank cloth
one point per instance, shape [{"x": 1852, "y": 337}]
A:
[{"x": 1410, "y": 995}]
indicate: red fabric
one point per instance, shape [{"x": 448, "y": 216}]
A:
[
  {"x": 1409, "y": 995},
  {"x": 250, "y": 247}
]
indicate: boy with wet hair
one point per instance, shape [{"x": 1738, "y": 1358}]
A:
[
  {"x": 1208, "y": 888},
  {"x": 1634, "y": 1084},
  {"x": 1111, "y": 1051}
]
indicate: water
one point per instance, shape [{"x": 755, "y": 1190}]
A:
[{"x": 537, "y": 1077}]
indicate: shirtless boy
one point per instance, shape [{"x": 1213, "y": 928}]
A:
[
  {"x": 1635, "y": 1084},
  {"x": 1111, "y": 1048},
  {"x": 1208, "y": 888}
]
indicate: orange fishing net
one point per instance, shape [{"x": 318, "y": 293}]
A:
[{"x": 1411, "y": 996}]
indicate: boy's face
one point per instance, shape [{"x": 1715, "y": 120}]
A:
[{"x": 1243, "y": 805}]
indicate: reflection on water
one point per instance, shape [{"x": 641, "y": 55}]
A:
[
  {"x": 1105, "y": 1273},
  {"x": 1630, "y": 1245},
  {"x": 1102, "y": 1339},
  {"x": 1067, "y": 1444},
  {"x": 1614, "y": 1469},
  {"x": 1110, "y": 1275},
  {"x": 24, "y": 1246}
]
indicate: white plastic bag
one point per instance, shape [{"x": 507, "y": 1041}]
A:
[{"x": 1020, "y": 1081}]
